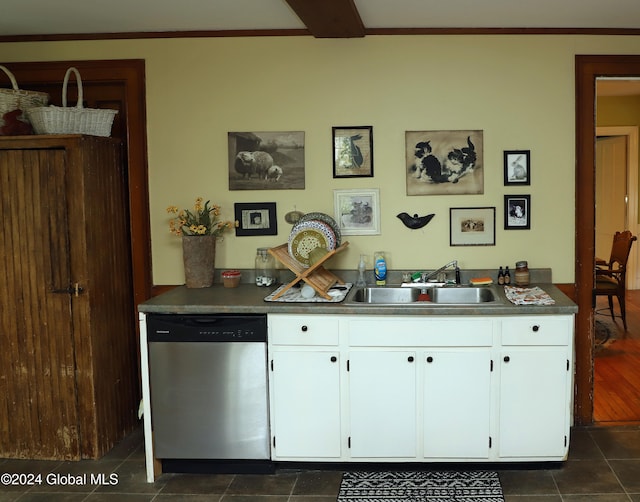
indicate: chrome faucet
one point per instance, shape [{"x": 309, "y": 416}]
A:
[{"x": 454, "y": 263}]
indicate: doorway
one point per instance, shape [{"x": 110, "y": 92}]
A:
[
  {"x": 616, "y": 351},
  {"x": 588, "y": 69}
]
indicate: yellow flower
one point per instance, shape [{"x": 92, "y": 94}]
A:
[{"x": 202, "y": 220}]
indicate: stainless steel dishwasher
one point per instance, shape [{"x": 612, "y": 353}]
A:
[{"x": 208, "y": 376}]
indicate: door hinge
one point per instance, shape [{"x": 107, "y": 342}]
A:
[
  {"x": 490, "y": 442},
  {"x": 271, "y": 364},
  {"x": 274, "y": 441},
  {"x": 349, "y": 442},
  {"x": 568, "y": 365},
  {"x": 74, "y": 289}
]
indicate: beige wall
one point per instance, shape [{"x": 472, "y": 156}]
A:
[{"x": 518, "y": 89}]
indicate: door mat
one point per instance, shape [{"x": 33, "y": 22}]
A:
[{"x": 421, "y": 486}]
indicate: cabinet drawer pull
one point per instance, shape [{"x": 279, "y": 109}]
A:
[
  {"x": 334, "y": 359},
  {"x": 507, "y": 359},
  {"x": 535, "y": 328},
  {"x": 410, "y": 359},
  {"x": 304, "y": 328},
  {"x": 429, "y": 359}
]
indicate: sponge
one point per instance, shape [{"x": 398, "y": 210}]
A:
[{"x": 481, "y": 281}]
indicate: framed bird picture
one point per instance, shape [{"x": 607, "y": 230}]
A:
[{"x": 353, "y": 152}]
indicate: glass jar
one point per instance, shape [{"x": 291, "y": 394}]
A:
[
  {"x": 265, "y": 268},
  {"x": 522, "y": 273}
]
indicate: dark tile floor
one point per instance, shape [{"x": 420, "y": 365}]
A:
[{"x": 603, "y": 466}]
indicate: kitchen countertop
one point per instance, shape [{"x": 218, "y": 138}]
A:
[{"x": 249, "y": 299}]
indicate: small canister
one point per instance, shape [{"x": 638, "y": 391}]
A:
[
  {"x": 522, "y": 273},
  {"x": 265, "y": 268},
  {"x": 231, "y": 278}
]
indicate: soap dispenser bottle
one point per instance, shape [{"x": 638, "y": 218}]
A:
[
  {"x": 361, "y": 283},
  {"x": 380, "y": 268}
]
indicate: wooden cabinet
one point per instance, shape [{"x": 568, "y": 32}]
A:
[{"x": 68, "y": 365}]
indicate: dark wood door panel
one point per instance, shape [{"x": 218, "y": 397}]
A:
[{"x": 115, "y": 84}]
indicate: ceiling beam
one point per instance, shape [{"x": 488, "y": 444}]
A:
[{"x": 329, "y": 18}]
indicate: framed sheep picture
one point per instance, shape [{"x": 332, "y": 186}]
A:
[
  {"x": 444, "y": 162},
  {"x": 266, "y": 160}
]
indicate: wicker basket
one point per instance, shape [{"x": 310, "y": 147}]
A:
[
  {"x": 72, "y": 120},
  {"x": 17, "y": 99}
]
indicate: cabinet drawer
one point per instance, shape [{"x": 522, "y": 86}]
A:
[
  {"x": 303, "y": 330},
  {"x": 537, "y": 330},
  {"x": 414, "y": 332}
]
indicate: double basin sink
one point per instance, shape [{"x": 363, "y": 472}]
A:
[{"x": 425, "y": 296}]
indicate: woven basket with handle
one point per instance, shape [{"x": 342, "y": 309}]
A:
[
  {"x": 17, "y": 99},
  {"x": 72, "y": 119}
]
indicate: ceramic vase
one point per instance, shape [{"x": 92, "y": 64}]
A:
[{"x": 199, "y": 255}]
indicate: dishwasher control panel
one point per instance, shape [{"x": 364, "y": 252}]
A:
[{"x": 206, "y": 328}]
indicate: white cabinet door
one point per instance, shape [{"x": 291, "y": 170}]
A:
[
  {"x": 457, "y": 403},
  {"x": 305, "y": 403},
  {"x": 382, "y": 393},
  {"x": 534, "y": 401}
]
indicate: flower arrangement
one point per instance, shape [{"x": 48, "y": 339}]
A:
[{"x": 203, "y": 220}]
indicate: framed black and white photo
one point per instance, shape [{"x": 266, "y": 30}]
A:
[
  {"x": 447, "y": 162},
  {"x": 353, "y": 152},
  {"x": 517, "y": 212},
  {"x": 266, "y": 160},
  {"x": 255, "y": 218},
  {"x": 472, "y": 226},
  {"x": 357, "y": 212},
  {"x": 517, "y": 167}
]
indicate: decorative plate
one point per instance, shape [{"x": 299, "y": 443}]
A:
[
  {"x": 308, "y": 235},
  {"x": 325, "y": 218}
]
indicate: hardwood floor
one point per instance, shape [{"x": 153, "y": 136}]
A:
[{"x": 616, "y": 396}]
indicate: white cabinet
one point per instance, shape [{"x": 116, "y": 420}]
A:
[
  {"x": 420, "y": 388},
  {"x": 304, "y": 387},
  {"x": 457, "y": 403},
  {"x": 305, "y": 403},
  {"x": 535, "y": 387},
  {"x": 382, "y": 399}
]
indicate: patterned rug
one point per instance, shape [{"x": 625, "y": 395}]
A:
[
  {"x": 606, "y": 329},
  {"x": 421, "y": 486}
]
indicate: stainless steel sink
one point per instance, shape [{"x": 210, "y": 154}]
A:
[
  {"x": 386, "y": 295},
  {"x": 460, "y": 295}
]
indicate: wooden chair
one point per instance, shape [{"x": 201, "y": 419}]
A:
[{"x": 611, "y": 276}]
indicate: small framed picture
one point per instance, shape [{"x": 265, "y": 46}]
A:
[
  {"x": 517, "y": 212},
  {"x": 357, "y": 212},
  {"x": 472, "y": 226},
  {"x": 517, "y": 167},
  {"x": 353, "y": 152},
  {"x": 256, "y": 218}
]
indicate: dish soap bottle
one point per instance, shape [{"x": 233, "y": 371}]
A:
[
  {"x": 361, "y": 283},
  {"x": 380, "y": 268}
]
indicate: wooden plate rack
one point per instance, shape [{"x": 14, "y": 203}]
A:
[{"x": 316, "y": 276}]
